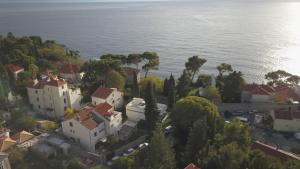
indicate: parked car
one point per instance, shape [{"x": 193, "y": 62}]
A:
[
  {"x": 128, "y": 152},
  {"x": 168, "y": 129},
  {"x": 143, "y": 145}
]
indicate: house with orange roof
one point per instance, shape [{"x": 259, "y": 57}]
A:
[
  {"x": 14, "y": 69},
  {"x": 286, "y": 120},
  {"x": 52, "y": 96},
  {"x": 22, "y": 137},
  {"x": 191, "y": 166},
  {"x": 6, "y": 143},
  {"x": 108, "y": 95},
  {"x": 71, "y": 72},
  {"x": 92, "y": 125},
  {"x": 253, "y": 93}
]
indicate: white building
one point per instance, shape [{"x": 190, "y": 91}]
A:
[
  {"x": 135, "y": 110},
  {"x": 51, "y": 97},
  {"x": 108, "y": 95},
  {"x": 92, "y": 125},
  {"x": 255, "y": 93},
  {"x": 71, "y": 72}
]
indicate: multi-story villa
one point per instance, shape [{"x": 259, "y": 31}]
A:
[
  {"x": 92, "y": 125},
  {"x": 108, "y": 95},
  {"x": 51, "y": 97}
]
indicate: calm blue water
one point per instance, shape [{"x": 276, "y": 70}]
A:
[{"x": 254, "y": 36}]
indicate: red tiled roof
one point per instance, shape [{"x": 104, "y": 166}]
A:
[
  {"x": 50, "y": 82},
  {"x": 13, "y": 68},
  {"x": 274, "y": 152},
  {"x": 102, "y": 93},
  {"x": 191, "y": 166},
  {"x": 285, "y": 93},
  {"x": 258, "y": 89},
  {"x": 103, "y": 109},
  {"x": 70, "y": 69},
  {"x": 85, "y": 118}
]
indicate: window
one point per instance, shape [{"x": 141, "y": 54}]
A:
[
  {"x": 39, "y": 106},
  {"x": 71, "y": 124},
  {"x": 63, "y": 87},
  {"x": 95, "y": 103},
  {"x": 95, "y": 134},
  {"x": 65, "y": 101},
  {"x": 37, "y": 99},
  {"x": 65, "y": 108},
  {"x": 36, "y": 91}
]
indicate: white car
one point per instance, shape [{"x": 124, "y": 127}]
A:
[
  {"x": 128, "y": 152},
  {"x": 143, "y": 145}
]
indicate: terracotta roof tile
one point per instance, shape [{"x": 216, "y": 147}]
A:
[
  {"x": 22, "y": 136},
  {"x": 286, "y": 93},
  {"x": 13, "y": 68},
  {"x": 103, "y": 109},
  {"x": 191, "y": 166},
  {"x": 6, "y": 143},
  {"x": 85, "y": 118},
  {"x": 102, "y": 93},
  {"x": 258, "y": 89},
  {"x": 274, "y": 152}
]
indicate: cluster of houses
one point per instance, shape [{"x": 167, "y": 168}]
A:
[{"x": 285, "y": 113}]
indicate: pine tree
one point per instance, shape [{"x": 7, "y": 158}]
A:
[
  {"x": 151, "y": 110},
  {"x": 135, "y": 87},
  {"x": 160, "y": 154},
  {"x": 184, "y": 84},
  {"x": 196, "y": 147},
  {"x": 166, "y": 87}
]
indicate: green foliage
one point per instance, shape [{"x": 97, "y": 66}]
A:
[
  {"x": 203, "y": 80},
  {"x": 152, "y": 62},
  {"x": 134, "y": 59},
  {"x": 171, "y": 95},
  {"x": 135, "y": 89},
  {"x": 151, "y": 110},
  {"x": 123, "y": 163},
  {"x": 190, "y": 109},
  {"x": 228, "y": 156},
  {"x": 33, "y": 70},
  {"x": 166, "y": 87},
  {"x": 75, "y": 164},
  {"x": 197, "y": 143},
  {"x": 281, "y": 77},
  {"x": 258, "y": 160},
  {"x": 157, "y": 82},
  {"x": 224, "y": 68},
  {"x": 211, "y": 93},
  {"x": 120, "y": 58},
  {"x": 237, "y": 132},
  {"x": 194, "y": 64},
  {"x": 184, "y": 84},
  {"x": 115, "y": 80},
  {"x": 231, "y": 93},
  {"x": 159, "y": 154},
  {"x": 52, "y": 125}
]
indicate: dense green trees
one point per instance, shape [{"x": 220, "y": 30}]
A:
[
  {"x": 135, "y": 59},
  {"x": 281, "y": 77},
  {"x": 190, "y": 109},
  {"x": 135, "y": 88},
  {"x": 152, "y": 61},
  {"x": 194, "y": 64},
  {"x": 157, "y": 82},
  {"x": 184, "y": 84},
  {"x": 211, "y": 93},
  {"x": 159, "y": 155},
  {"x": 115, "y": 80},
  {"x": 151, "y": 110}
]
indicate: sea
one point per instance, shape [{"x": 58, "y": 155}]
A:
[{"x": 254, "y": 36}]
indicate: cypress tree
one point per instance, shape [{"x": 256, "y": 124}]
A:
[
  {"x": 171, "y": 95},
  {"x": 135, "y": 91},
  {"x": 151, "y": 110},
  {"x": 166, "y": 87},
  {"x": 171, "y": 80},
  {"x": 160, "y": 154}
]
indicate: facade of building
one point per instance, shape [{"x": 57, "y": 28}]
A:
[
  {"x": 51, "y": 97},
  {"x": 108, "y": 95},
  {"x": 286, "y": 120},
  {"x": 14, "y": 70},
  {"x": 92, "y": 125},
  {"x": 135, "y": 110},
  {"x": 71, "y": 72},
  {"x": 4, "y": 162}
]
